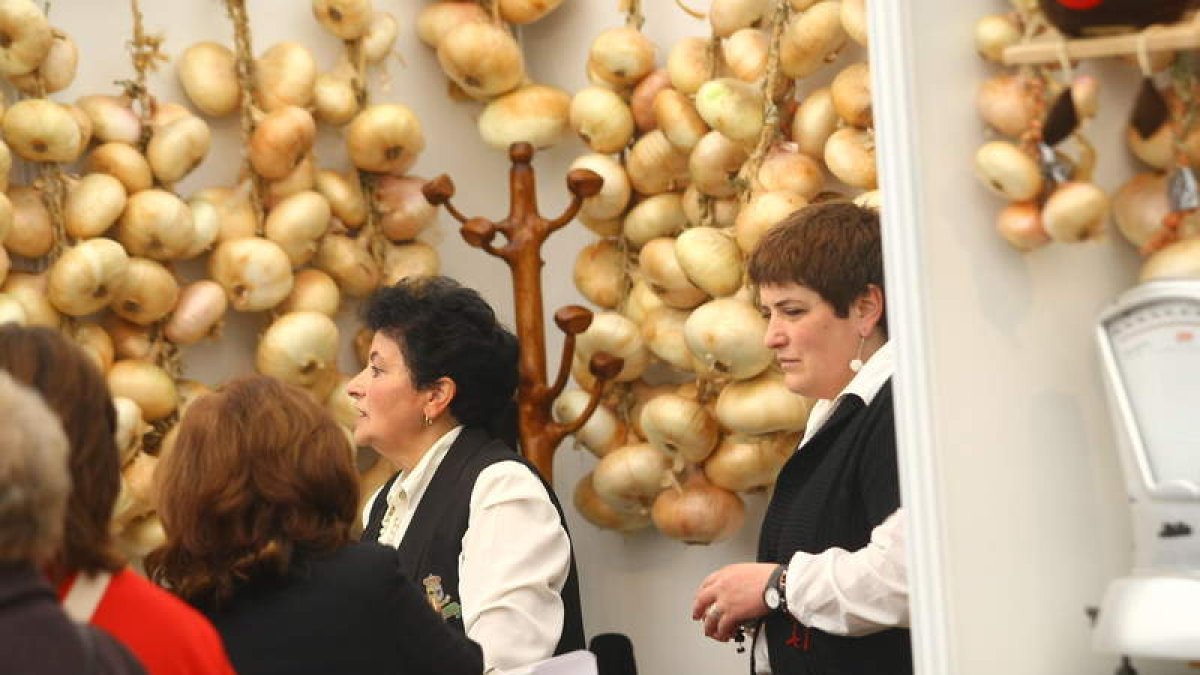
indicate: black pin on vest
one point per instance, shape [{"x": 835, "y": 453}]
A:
[
  {"x": 433, "y": 540},
  {"x": 818, "y": 502}
]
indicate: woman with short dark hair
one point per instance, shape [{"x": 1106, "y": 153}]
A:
[
  {"x": 819, "y": 275},
  {"x": 259, "y": 496},
  {"x": 473, "y": 521}
]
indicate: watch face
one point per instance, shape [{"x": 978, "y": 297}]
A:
[{"x": 771, "y": 598}]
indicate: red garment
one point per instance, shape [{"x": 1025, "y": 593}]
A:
[{"x": 165, "y": 633}]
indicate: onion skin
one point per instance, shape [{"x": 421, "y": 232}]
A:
[
  {"x": 597, "y": 512},
  {"x": 699, "y": 513}
]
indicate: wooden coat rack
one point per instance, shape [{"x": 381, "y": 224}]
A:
[
  {"x": 1053, "y": 48},
  {"x": 526, "y": 230}
]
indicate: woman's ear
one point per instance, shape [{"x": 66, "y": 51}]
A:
[
  {"x": 868, "y": 309},
  {"x": 441, "y": 393}
]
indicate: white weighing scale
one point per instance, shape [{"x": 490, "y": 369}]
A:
[{"x": 1150, "y": 354}]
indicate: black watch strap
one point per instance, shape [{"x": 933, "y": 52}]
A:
[{"x": 778, "y": 583}]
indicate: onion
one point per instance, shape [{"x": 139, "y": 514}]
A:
[
  {"x": 732, "y": 107},
  {"x": 340, "y": 405},
  {"x": 93, "y": 205},
  {"x": 655, "y": 165},
  {"x": 189, "y": 392},
  {"x": 710, "y": 259},
  {"x": 850, "y": 156},
  {"x": 302, "y": 178},
  {"x": 600, "y": 273},
  {"x": 350, "y": 265},
  {"x": 723, "y": 211},
  {"x": 141, "y": 536},
  {"x": 785, "y": 168},
  {"x": 380, "y": 38},
  {"x": 385, "y": 138},
  {"x": 130, "y": 428},
  {"x": 714, "y": 165},
  {"x": 255, "y": 273},
  {"x": 1180, "y": 260},
  {"x": 237, "y": 219},
  {"x": 208, "y": 73},
  {"x": 27, "y": 37},
  {"x": 745, "y": 52},
  {"x": 630, "y": 476},
  {"x": 535, "y": 114},
  {"x": 297, "y": 224},
  {"x": 312, "y": 291},
  {"x": 993, "y": 33},
  {"x": 87, "y": 276},
  {"x": 113, "y": 119},
  {"x": 851, "y": 91},
  {"x": 346, "y": 19},
  {"x": 334, "y": 99},
  {"x": 1155, "y": 151},
  {"x": 437, "y": 19},
  {"x": 641, "y": 101},
  {"x": 409, "y": 260},
  {"x": 148, "y": 293},
  {"x": 726, "y": 335},
  {"x": 745, "y": 463},
  {"x": 156, "y": 224},
  {"x": 699, "y": 513},
  {"x": 1008, "y": 171},
  {"x": 482, "y": 59},
  {"x": 345, "y": 196},
  {"x": 761, "y": 405},
  {"x": 138, "y": 495},
  {"x": 123, "y": 162},
  {"x": 661, "y": 215},
  {"x": 177, "y": 148},
  {"x": 1140, "y": 205},
  {"x": 526, "y": 11},
  {"x": 662, "y": 329},
  {"x": 11, "y": 310},
  {"x": 614, "y": 194},
  {"x": 640, "y": 302},
  {"x": 814, "y": 122},
  {"x": 1075, "y": 211},
  {"x": 30, "y": 292},
  {"x": 5, "y": 164},
  {"x": 597, "y": 512},
  {"x": 206, "y": 221},
  {"x": 729, "y": 16},
  {"x": 147, "y": 385},
  {"x": 602, "y": 119},
  {"x": 660, "y": 268},
  {"x": 621, "y": 56},
  {"x": 605, "y": 227},
  {"x": 1004, "y": 104},
  {"x": 31, "y": 234},
  {"x": 1085, "y": 91},
  {"x": 198, "y": 313},
  {"x": 40, "y": 130},
  {"x": 300, "y": 348},
  {"x": 281, "y": 141},
  {"x": 601, "y": 434},
  {"x": 680, "y": 427},
  {"x": 689, "y": 64},
  {"x": 404, "y": 212},
  {"x": 810, "y": 38},
  {"x": 613, "y": 333},
  {"x": 130, "y": 341},
  {"x": 1020, "y": 223},
  {"x": 55, "y": 72},
  {"x": 284, "y": 76},
  {"x": 854, "y": 20}
]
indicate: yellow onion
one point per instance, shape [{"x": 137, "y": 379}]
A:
[
  {"x": 602, "y": 119},
  {"x": 255, "y": 273},
  {"x": 640, "y": 302},
  {"x": 526, "y": 11},
  {"x": 662, "y": 329},
  {"x": 55, "y": 72},
  {"x": 1180, "y": 260},
  {"x": 281, "y": 141},
  {"x": 629, "y": 477},
  {"x": 676, "y": 116},
  {"x": 641, "y": 100},
  {"x": 156, "y": 224},
  {"x": 5, "y": 163},
  {"x": 680, "y": 427},
  {"x": 745, "y": 53},
  {"x": 535, "y": 114},
  {"x": 32, "y": 233},
  {"x": 726, "y": 335},
  {"x": 1155, "y": 151},
  {"x": 745, "y": 463},
  {"x": 761, "y": 405},
  {"x": 349, "y": 263},
  {"x": 872, "y": 199},
  {"x": 438, "y": 18},
  {"x": 236, "y": 216},
  {"x": 344, "y": 195},
  {"x": 597, "y": 512},
  {"x": 1140, "y": 205},
  {"x": 5, "y": 265},
  {"x": 347, "y": 19},
  {"x": 723, "y": 212},
  {"x": 711, "y": 260},
  {"x": 1020, "y": 223},
  {"x": 850, "y": 156},
  {"x": 655, "y": 166},
  {"x": 661, "y": 215},
  {"x": 198, "y": 313},
  {"x": 385, "y": 138},
  {"x": 297, "y": 224},
  {"x": 27, "y": 37},
  {"x": 814, "y": 122},
  {"x": 177, "y": 148},
  {"x": 95, "y": 342},
  {"x": 699, "y": 512},
  {"x": 732, "y": 107},
  {"x": 113, "y": 119},
  {"x": 787, "y": 169},
  {"x": 312, "y": 291},
  {"x": 714, "y": 163},
  {"x": 403, "y": 210},
  {"x": 334, "y": 99},
  {"x": 139, "y": 492},
  {"x": 995, "y": 32},
  {"x": 87, "y": 276},
  {"x": 1085, "y": 92},
  {"x": 851, "y": 91},
  {"x": 614, "y": 194},
  {"x": 605, "y": 227},
  {"x": 602, "y": 433},
  {"x": 300, "y": 348},
  {"x": 1005, "y": 105},
  {"x": 340, "y": 405},
  {"x": 729, "y": 16},
  {"x": 93, "y": 205},
  {"x": 660, "y": 268},
  {"x": 600, "y": 273},
  {"x": 854, "y": 20},
  {"x": 208, "y": 73},
  {"x": 409, "y": 260},
  {"x": 149, "y": 292},
  {"x": 123, "y": 162},
  {"x": 301, "y": 179},
  {"x": 613, "y": 333},
  {"x": 130, "y": 341},
  {"x": 11, "y": 309},
  {"x": 380, "y": 37},
  {"x": 621, "y": 56},
  {"x": 689, "y": 64},
  {"x": 30, "y": 291},
  {"x": 284, "y": 76},
  {"x": 130, "y": 428},
  {"x": 41, "y": 130},
  {"x": 147, "y": 385},
  {"x": 481, "y": 58},
  {"x": 810, "y": 38},
  {"x": 1075, "y": 211}
]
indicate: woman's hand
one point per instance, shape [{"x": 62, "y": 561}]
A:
[{"x": 731, "y": 596}]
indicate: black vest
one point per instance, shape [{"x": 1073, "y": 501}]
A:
[
  {"x": 433, "y": 540},
  {"x": 832, "y": 492}
]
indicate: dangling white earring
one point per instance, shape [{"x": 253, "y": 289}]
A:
[
  {"x": 856, "y": 363},
  {"x": 428, "y": 422}
]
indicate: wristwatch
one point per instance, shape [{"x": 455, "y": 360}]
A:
[{"x": 775, "y": 593}]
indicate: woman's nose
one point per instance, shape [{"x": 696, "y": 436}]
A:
[
  {"x": 353, "y": 388},
  {"x": 774, "y": 337}
]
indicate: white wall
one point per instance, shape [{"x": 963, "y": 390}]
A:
[{"x": 1032, "y": 509}]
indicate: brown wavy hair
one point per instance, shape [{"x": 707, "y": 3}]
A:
[
  {"x": 258, "y": 471},
  {"x": 76, "y": 391}
]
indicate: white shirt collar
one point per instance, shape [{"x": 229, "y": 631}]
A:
[
  {"x": 412, "y": 483},
  {"x": 865, "y": 384}
]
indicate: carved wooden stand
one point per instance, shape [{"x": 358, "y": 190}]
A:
[{"x": 525, "y": 230}]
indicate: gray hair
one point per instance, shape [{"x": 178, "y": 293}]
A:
[{"x": 34, "y": 480}]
